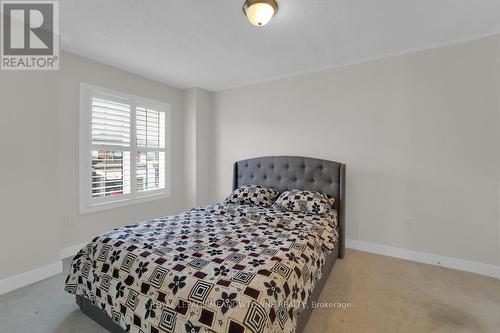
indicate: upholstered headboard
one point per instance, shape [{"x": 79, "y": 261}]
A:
[{"x": 291, "y": 172}]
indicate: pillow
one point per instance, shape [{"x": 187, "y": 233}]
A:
[
  {"x": 305, "y": 202},
  {"x": 253, "y": 195}
]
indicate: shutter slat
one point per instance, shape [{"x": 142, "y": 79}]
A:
[
  {"x": 107, "y": 104},
  {"x": 111, "y": 111}
]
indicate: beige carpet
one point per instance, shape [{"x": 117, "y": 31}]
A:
[
  {"x": 385, "y": 294},
  {"x": 391, "y": 295}
]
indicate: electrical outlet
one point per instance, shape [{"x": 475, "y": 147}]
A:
[
  {"x": 72, "y": 218},
  {"x": 410, "y": 222}
]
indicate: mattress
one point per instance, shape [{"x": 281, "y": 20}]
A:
[{"x": 222, "y": 268}]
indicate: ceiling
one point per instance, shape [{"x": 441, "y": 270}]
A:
[{"x": 209, "y": 44}]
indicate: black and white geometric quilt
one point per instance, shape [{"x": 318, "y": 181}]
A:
[{"x": 223, "y": 268}]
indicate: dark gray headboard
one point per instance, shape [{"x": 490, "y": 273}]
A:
[{"x": 291, "y": 172}]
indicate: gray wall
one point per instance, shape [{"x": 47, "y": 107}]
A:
[
  {"x": 30, "y": 230},
  {"x": 419, "y": 134},
  {"x": 205, "y": 149},
  {"x": 74, "y": 70},
  {"x": 200, "y": 145},
  {"x": 39, "y": 145}
]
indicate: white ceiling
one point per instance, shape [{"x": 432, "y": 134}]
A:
[{"x": 209, "y": 43}]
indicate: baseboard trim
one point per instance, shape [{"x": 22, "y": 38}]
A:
[
  {"x": 27, "y": 278},
  {"x": 426, "y": 258},
  {"x": 70, "y": 251},
  {"x": 38, "y": 274}
]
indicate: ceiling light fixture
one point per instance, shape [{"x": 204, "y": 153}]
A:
[{"x": 260, "y": 12}]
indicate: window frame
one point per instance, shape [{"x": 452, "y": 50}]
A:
[{"x": 86, "y": 203}]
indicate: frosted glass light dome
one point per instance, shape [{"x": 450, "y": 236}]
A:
[{"x": 260, "y": 12}]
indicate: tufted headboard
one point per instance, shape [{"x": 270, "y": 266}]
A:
[{"x": 291, "y": 172}]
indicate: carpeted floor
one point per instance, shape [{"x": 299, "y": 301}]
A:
[{"x": 365, "y": 293}]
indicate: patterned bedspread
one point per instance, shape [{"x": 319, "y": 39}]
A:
[{"x": 222, "y": 268}]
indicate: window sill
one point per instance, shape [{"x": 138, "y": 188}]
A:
[{"x": 123, "y": 203}]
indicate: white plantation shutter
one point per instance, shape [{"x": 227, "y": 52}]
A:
[
  {"x": 123, "y": 143},
  {"x": 110, "y": 126},
  {"x": 110, "y": 122},
  {"x": 110, "y": 173},
  {"x": 150, "y": 128},
  {"x": 150, "y": 162}
]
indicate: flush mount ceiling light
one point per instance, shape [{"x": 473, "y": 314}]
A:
[{"x": 260, "y": 12}]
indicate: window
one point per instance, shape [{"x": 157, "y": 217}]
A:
[{"x": 124, "y": 155}]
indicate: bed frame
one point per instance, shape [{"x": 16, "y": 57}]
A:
[{"x": 282, "y": 173}]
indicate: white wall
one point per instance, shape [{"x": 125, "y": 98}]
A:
[
  {"x": 419, "y": 134},
  {"x": 39, "y": 145}
]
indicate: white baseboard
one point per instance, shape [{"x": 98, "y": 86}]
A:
[
  {"x": 27, "y": 278},
  {"x": 70, "y": 251},
  {"x": 38, "y": 274},
  {"x": 426, "y": 258}
]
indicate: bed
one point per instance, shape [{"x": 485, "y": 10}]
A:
[{"x": 220, "y": 268}]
